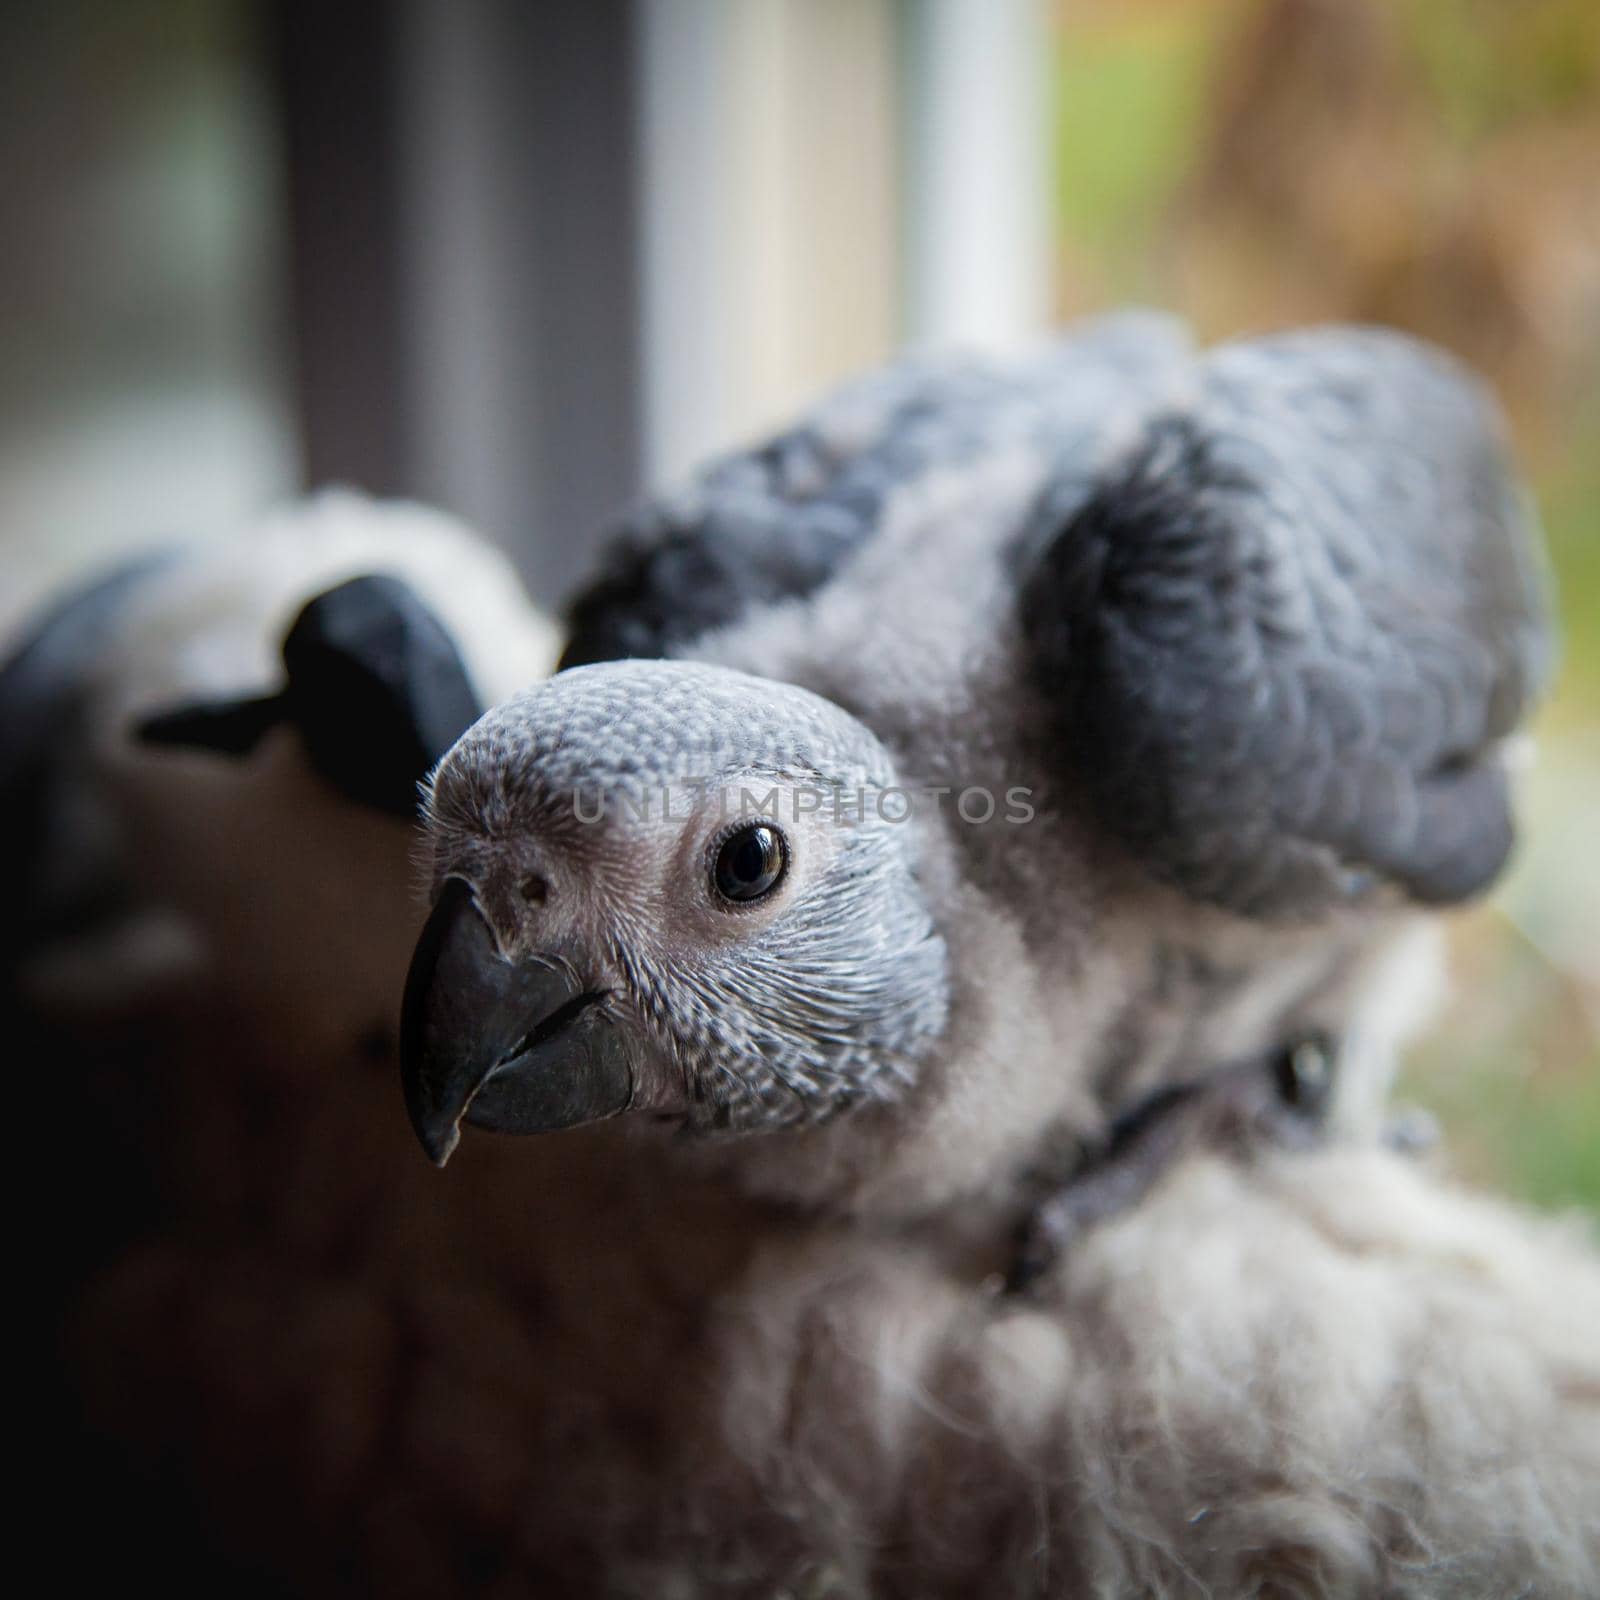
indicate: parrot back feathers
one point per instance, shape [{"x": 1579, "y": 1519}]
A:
[
  {"x": 1282, "y": 602},
  {"x": 1287, "y": 636},
  {"x": 779, "y": 521}
]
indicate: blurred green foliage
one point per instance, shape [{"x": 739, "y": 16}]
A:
[
  {"x": 1128, "y": 99},
  {"x": 1569, "y": 500},
  {"x": 1434, "y": 164},
  {"x": 1488, "y": 64}
]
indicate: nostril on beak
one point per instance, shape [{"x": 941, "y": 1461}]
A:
[{"x": 535, "y": 890}]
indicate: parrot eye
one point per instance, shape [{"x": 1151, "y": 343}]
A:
[{"x": 750, "y": 863}]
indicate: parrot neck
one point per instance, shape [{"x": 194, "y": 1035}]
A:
[{"x": 1276, "y": 1099}]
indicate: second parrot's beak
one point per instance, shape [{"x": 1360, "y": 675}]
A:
[{"x": 513, "y": 1046}]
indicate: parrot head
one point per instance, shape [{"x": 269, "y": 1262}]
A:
[{"x": 670, "y": 889}]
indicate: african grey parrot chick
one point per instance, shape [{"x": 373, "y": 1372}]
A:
[
  {"x": 1110, "y": 717},
  {"x": 210, "y": 767},
  {"x": 1029, "y": 824}
]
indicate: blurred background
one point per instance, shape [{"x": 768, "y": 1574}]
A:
[{"x": 524, "y": 260}]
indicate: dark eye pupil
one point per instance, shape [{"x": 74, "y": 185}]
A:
[{"x": 750, "y": 863}]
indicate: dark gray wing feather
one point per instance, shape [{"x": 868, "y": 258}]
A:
[
  {"x": 43, "y": 687},
  {"x": 778, "y": 521},
  {"x": 376, "y": 690},
  {"x": 1288, "y": 635}
]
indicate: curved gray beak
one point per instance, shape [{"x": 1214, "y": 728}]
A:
[{"x": 513, "y": 1046}]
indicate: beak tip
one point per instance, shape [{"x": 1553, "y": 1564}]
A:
[{"x": 439, "y": 1144}]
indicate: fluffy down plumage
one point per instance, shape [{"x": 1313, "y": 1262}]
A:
[{"x": 1312, "y": 1376}]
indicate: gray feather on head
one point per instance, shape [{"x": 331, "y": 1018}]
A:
[{"x": 589, "y": 816}]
